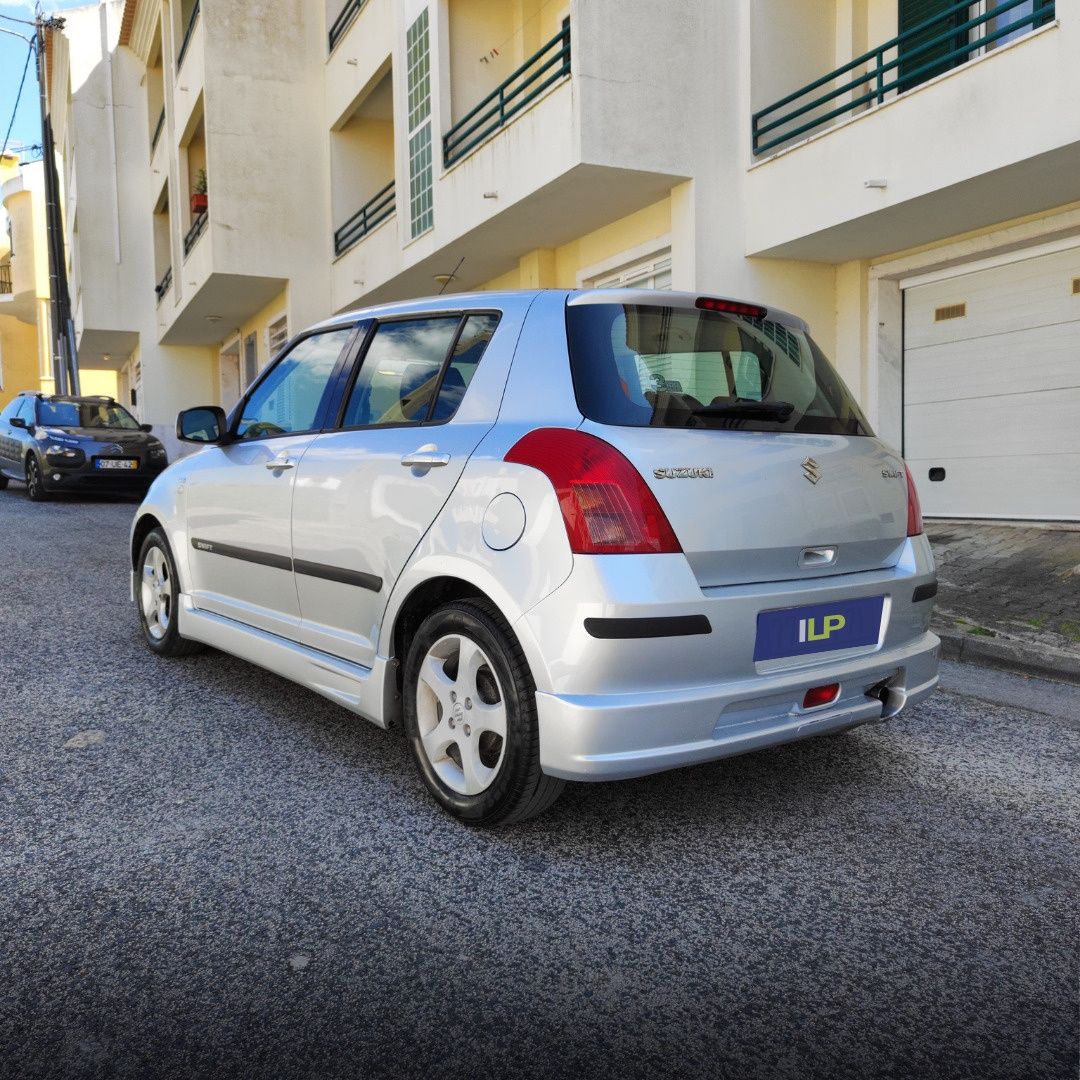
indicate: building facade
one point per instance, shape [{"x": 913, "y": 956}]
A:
[
  {"x": 900, "y": 172},
  {"x": 25, "y": 357}
]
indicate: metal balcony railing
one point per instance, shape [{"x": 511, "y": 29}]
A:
[
  {"x": 344, "y": 20},
  {"x": 187, "y": 35},
  {"x": 164, "y": 285},
  {"x": 929, "y": 48},
  {"x": 515, "y": 93},
  {"x": 372, "y": 213},
  {"x": 5, "y": 280},
  {"x": 198, "y": 227},
  {"x": 158, "y": 128}
]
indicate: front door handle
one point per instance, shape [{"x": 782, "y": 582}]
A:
[
  {"x": 280, "y": 463},
  {"x": 425, "y": 459}
]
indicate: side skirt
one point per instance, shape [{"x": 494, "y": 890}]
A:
[{"x": 356, "y": 688}]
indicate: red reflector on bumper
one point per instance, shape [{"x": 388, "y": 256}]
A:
[{"x": 817, "y": 696}]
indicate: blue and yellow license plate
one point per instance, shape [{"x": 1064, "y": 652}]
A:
[{"x": 847, "y": 624}]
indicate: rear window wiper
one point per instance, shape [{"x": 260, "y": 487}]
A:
[{"x": 747, "y": 409}]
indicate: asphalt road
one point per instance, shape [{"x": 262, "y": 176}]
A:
[{"x": 206, "y": 871}]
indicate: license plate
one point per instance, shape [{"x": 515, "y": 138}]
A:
[
  {"x": 817, "y": 628},
  {"x": 116, "y": 463}
]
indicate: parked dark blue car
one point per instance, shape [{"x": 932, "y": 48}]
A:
[{"x": 89, "y": 444}]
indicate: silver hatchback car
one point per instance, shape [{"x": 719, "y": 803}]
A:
[{"x": 557, "y": 535}]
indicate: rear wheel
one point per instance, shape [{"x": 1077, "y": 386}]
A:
[
  {"x": 470, "y": 714},
  {"x": 35, "y": 481},
  {"x": 158, "y": 596}
]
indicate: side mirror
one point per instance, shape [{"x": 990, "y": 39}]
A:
[
  {"x": 146, "y": 427},
  {"x": 18, "y": 421},
  {"x": 205, "y": 424}
]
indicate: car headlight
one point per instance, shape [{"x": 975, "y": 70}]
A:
[{"x": 157, "y": 451}]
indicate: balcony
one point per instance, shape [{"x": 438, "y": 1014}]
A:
[
  {"x": 918, "y": 140},
  {"x": 344, "y": 20},
  {"x": 371, "y": 214},
  {"x": 164, "y": 285},
  {"x": 921, "y": 52},
  {"x": 188, "y": 32},
  {"x": 198, "y": 227},
  {"x": 517, "y": 92}
]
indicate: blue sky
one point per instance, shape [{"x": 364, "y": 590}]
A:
[{"x": 27, "y": 127}]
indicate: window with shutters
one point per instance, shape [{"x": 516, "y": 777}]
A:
[
  {"x": 277, "y": 335},
  {"x": 418, "y": 90},
  {"x": 653, "y": 272}
]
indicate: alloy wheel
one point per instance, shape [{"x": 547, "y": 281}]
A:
[
  {"x": 156, "y": 593},
  {"x": 33, "y": 479},
  {"x": 461, "y": 714}
]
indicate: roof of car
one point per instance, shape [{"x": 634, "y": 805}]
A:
[
  {"x": 84, "y": 399},
  {"x": 483, "y": 300}
]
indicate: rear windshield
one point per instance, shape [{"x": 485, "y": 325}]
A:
[{"x": 643, "y": 365}]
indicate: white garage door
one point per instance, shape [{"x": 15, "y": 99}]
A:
[{"x": 992, "y": 390}]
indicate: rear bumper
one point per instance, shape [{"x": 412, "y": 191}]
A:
[{"x": 612, "y": 737}]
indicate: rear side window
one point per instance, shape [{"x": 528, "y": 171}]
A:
[
  {"x": 646, "y": 365},
  {"x": 417, "y": 370}
]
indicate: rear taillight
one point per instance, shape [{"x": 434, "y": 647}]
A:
[
  {"x": 914, "y": 512},
  {"x": 607, "y": 507}
]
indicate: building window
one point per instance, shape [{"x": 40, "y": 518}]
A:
[
  {"x": 651, "y": 273},
  {"x": 277, "y": 335},
  {"x": 251, "y": 359},
  {"x": 418, "y": 88}
]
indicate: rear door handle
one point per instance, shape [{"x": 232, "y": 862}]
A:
[
  {"x": 280, "y": 463},
  {"x": 425, "y": 459}
]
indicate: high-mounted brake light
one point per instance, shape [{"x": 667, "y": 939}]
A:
[
  {"x": 914, "y": 511},
  {"x": 730, "y": 307},
  {"x": 606, "y": 506}
]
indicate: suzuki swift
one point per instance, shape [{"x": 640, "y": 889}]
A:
[{"x": 556, "y": 535}]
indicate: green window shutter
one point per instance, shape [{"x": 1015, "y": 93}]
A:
[{"x": 912, "y": 13}]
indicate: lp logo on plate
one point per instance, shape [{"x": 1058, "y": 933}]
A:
[{"x": 818, "y": 628}]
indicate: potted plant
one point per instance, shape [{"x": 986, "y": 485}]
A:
[{"x": 200, "y": 201}]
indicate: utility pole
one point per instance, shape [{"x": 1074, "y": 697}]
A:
[{"x": 64, "y": 351}]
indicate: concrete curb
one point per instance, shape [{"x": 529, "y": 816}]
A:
[{"x": 1010, "y": 654}]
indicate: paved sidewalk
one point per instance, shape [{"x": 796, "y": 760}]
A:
[{"x": 1009, "y": 595}]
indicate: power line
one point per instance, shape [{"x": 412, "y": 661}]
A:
[
  {"x": 11, "y": 18},
  {"x": 18, "y": 98}
]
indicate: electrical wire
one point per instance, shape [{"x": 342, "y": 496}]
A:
[
  {"x": 18, "y": 98},
  {"x": 12, "y": 18}
]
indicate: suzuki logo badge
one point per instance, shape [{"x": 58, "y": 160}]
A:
[{"x": 811, "y": 470}]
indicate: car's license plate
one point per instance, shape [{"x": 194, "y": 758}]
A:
[
  {"x": 117, "y": 463},
  {"x": 796, "y": 631}
]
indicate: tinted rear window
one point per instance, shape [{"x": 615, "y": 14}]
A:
[{"x": 644, "y": 365}]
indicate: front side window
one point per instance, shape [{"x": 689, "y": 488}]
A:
[
  {"x": 85, "y": 414},
  {"x": 644, "y": 365},
  {"x": 289, "y": 399}
]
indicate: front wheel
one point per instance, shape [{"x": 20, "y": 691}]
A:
[
  {"x": 158, "y": 596},
  {"x": 470, "y": 715},
  {"x": 35, "y": 481}
]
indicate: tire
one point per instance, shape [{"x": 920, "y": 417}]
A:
[
  {"x": 159, "y": 587},
  {"x": 35, "y": 481},
  {"x": 3, "y": 482},
  {"x": 453, "y": 717}
]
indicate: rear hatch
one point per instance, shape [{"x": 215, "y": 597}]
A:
[{"x": 751, "y": 443}]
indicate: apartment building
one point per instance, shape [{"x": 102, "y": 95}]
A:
[
  {"x": 901, "y": 172},
  {"x": 26, "y": 353},
  {"x": 25, "y": 357}
]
